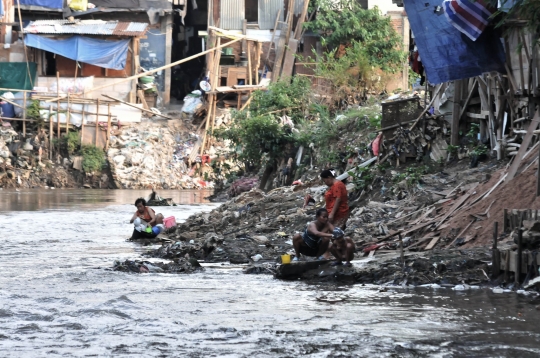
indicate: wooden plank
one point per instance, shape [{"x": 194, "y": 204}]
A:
[
  {"x": 432, "y": 243},
  {"x": 301, "y": 19},
  {"x": 461, "y": 233},
  {"x": 525, "y": 143},
  {"x": 288, "y": 62},
  {"x": 476, "y": 115},
  {"x": 457, "y": 204},
  {"x": 140, "y": 94},
  {"x": 420, "y": 241},
  {"x": 458, "y": 86},
  {"x": 467, "y": 101},
  {"x": 283, "y": 40}
]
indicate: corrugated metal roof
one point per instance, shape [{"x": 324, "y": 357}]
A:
[
  {"x": 86, "y": 27},
  {"x": 268, "y": 10},
  {"x": 232, "y": 13}
]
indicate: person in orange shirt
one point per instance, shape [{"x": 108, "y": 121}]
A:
[{"x": 336, "y": 199}]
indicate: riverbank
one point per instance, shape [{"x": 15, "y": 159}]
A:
[{"x": 429, "y": 220}]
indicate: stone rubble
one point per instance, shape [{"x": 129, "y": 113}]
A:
[{"x": 150, "y": 155}]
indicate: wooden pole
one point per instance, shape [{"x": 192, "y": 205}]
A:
[
  {"x": 402, "y": 255},
  {"x": 24, "y": 114},
  {"x": 458, "y": 84},
  {"x": 97, "y": 124},
  {"x": 258, "y": 62},
  {"x": 519, "y": 258},
  {"x": 68, "y": 115},
  {"x": 249, "y": 63},
  {"x": 108, "y": 126},
  {"x": 495, "y": 255},
  {"x": 51, "y": 130},
  {"x": 58, "y": 108},
  {"x": 301, "y": 19},
  {"x": 211, "y": 105},
  {"x": 134, "y": 106},
  {"x": 82, "y": 125},
  {"x": 538, "y": 174},
  {"x": 273, "y": 36}
]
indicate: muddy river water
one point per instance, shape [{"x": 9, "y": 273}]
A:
[{"x": 57, "y": 298}]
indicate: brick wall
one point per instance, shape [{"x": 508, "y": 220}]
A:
[{"x": 400, "y": 23}]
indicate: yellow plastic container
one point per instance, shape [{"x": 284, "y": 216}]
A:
[{"x": 286, "y": 259}]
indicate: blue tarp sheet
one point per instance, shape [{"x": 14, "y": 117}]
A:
[
  {"x": 51, "y": 4},
  {"x": 102, "y": 53},
  {"x": 446, "y": 53}
]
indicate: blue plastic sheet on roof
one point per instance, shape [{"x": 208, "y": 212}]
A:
[
  {"x": 51, "y": 4},
  {"x": 446, "y": 53},
  {"x": 102, "y": 53}
]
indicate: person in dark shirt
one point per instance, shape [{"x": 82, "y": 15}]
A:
[{"x": 315, "y": 239}]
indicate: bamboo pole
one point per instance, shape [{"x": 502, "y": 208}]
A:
[
  {"x": 273, "y": 37},
  {"x": 82, "y": 125},
  {"x": 97, "y": 124},
  {"x": 108, "y": 126},
  {"x": 13, "y": 103},
  {"x": 211, "y": 115},
  {"x": 24, "y": 115},
  {"x": 68, "y": 115},
  {"x": 134, "y": 106},
  {"x": 58, "y": 109},
  {"x": 240, "y": 37},
  {"x": 249, "y": 63},
  {"x": 89, "y": 113},
  {"x": 258, "y": 62},
  {"x": 51, "y": 130}
]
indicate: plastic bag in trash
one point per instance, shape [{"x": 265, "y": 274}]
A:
[{"x": 192, "y": 102}]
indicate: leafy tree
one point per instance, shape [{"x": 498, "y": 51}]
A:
[
  {"x": 345, "y": 22},
  {"x": 259, "y": 137}
]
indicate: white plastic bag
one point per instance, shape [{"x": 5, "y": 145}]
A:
[{"x": 192, "y": 102}]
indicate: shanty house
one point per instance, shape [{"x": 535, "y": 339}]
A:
[{"x": 106, "y": 39}]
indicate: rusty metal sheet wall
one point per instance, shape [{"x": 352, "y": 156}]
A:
[
  {"x": 232, "y": 13},
  {"x": 268, "y": 10}
]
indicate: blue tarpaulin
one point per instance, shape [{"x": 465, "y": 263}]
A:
[
  {"x": 102, "y": 53},
  {"x": 446, "y": 53},
  {"x": 51, "y": 4}
]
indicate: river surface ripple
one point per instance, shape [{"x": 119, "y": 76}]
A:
[{"x": 58, "y": 299}]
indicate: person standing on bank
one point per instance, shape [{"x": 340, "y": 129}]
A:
[{"x": 336, "y": 199}]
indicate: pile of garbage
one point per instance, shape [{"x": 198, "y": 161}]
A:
[
  {"x": 183, "y": 265},
  {"x": 7, "y": 136},
  {"x": 148, "y": 156}
]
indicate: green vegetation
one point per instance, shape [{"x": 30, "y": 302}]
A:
[
  {"x": 93, "y": 158},
  {"x": 411, "y": 175},
  {"x": 70, "y": 142},
  {"x": 345, "y": 23},
  {"x": 263, "y": 136},
  {"x": 361, "y": 46},
  {"x": 524, "y": 10}
]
